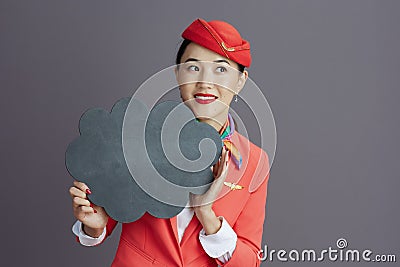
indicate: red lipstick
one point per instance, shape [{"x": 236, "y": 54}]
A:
[{"x": 204, "y": 98}]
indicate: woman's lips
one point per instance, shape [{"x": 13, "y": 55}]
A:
[{"x": 204, "y": 98}]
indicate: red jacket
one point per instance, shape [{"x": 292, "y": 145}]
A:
[{"x": 151, "y": 241}]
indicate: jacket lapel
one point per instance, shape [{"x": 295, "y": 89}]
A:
[
  {"x": 193, "y": 228},
  {"x": 173, "y": 223}
]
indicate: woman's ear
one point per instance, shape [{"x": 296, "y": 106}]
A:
[{"x": 242, "y": 80}]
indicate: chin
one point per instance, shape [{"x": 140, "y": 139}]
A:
[
  {"x": 209, "y": 111},
  {"x": 202, "y": 113},
  {"x": 206, "y": 114}
]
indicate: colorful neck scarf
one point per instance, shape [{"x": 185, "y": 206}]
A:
[{"x": 226, "y": 133}]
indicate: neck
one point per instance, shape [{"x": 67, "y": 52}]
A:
[{"x": 216, "y": 122}]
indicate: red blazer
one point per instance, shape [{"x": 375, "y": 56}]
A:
[{"x": 151, "y": 241}]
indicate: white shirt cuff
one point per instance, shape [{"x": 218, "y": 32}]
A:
[
  {"x": 220, "y": 245},
  {"x": 84, "y": 239}
]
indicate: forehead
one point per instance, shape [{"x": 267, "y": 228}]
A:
[{"x": 198, "y": 52}]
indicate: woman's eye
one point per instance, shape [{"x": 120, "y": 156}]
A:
[
  {"x": 193, "y": 68},
  {"x": 221, "y": 69}
]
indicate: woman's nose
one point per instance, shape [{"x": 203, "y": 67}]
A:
[
  {"x": 206, "y": 85},
  {"x": 206, "y": 80}
]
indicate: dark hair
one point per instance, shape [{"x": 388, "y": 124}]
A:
[
  {"x": 179, "y": 55},
  {"x": 182, "y": 49}
]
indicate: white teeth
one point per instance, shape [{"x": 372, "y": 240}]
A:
[{"x": 205, "y": 97}]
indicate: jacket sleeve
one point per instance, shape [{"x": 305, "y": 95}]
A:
[
  {"x": 249, "y": 227},
  {"x": 111, "y": 223}
]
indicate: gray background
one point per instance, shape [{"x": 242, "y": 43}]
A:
[{"x": 329, "y": 69}]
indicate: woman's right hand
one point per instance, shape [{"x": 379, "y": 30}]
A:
[{"x": 94, "y": 218}]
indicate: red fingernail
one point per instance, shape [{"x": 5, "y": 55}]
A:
[
  {"x": 95, "y": 211},
  {"x": 88, "y": 191},
  {"x": 91, "y": 205}
]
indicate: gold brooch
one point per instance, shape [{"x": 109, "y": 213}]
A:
[
  {"x": 230, "y": 49},
  {"x": 233, "y": 186}
]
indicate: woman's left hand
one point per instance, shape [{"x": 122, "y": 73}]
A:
[{"x": 202, "y": 204}]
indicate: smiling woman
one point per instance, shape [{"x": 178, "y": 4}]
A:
[{"x": 224, "y": 225}]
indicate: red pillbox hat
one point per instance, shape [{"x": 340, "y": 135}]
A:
[{"x": 220, "y": 37}]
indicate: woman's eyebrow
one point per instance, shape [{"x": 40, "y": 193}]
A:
[
  {"x": 221, "y": 60},
  {"x": 191, "y": 59},
  {"x": 216, "y": 61}
]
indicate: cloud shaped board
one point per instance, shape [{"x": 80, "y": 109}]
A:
[{"x": 134, "y": 175}]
